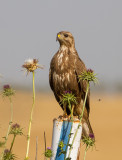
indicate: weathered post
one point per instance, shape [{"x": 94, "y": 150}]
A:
[{"x": 64, "y": 131}]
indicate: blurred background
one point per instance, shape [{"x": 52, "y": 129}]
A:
[{"x": 28, "y": 30}]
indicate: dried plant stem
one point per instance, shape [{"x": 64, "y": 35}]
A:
[
  {"x": 30, "y": 122},
  {"x": 45, "y": 144},
  {"x": 9, "y": 126},
  {"x": 81, "y": 117},
  {"x": 45, "y": 141}
]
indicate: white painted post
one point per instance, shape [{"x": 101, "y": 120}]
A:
[{"x": 62, "y": 127}]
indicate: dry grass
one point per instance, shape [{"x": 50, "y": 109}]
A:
[{"x": 105, "y": 117}]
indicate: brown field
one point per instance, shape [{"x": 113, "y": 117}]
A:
[{"x": 105, "y": 117}]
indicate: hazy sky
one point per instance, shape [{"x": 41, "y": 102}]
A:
[{"x": 28, "y": 29}]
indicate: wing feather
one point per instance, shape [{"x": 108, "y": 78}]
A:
[{"x": 80, "y": 67}]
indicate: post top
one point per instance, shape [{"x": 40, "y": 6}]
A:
[{"x": 67, "y": 118}]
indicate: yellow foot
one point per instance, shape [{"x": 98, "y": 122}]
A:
[{"x": 64, "y": 114}]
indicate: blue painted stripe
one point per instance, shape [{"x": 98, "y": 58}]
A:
[{"x": 64, "y": 136}]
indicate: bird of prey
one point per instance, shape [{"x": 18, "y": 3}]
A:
[{"x": 65, "y": 67}]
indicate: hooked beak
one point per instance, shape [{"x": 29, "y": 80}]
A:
[{"x": 58, "y": 36}]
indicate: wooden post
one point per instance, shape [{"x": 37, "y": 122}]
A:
[{"x": 62, "y": 127}]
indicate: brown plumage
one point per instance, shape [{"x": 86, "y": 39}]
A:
[{"x": 65, "y": 67}]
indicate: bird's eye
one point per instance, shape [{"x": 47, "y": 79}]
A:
[{"x": 65, "y": 35}]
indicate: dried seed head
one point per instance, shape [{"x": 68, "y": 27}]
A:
[{"x": 31, "y": 65}]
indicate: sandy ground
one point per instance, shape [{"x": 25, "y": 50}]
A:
[{"x": 105, "y": 117}]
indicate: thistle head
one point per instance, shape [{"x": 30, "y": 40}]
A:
[
  {"x": 48, "y": 153},
  {"x": 89, "y": 140},
  {"x": 90, "y": 70},
  {"x": 88, "y": 75},
  {"x": 91, "y": 135},
  {"x": 6, "y": 151},
  {"x": 31, "y": 65},
  {"x": 8, "y": 91},
  {"x": 67, "y": 92},
  {"x": 8, "y": 155},
  {"x": 68, "y": 98},
  {"x": 16, "y": 129},
  {"x": 7, "y": 86}
]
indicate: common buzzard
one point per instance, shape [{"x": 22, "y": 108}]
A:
[{"x": 65, "y": 67}]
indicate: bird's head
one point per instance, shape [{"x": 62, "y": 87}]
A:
[{"x": 66, "y": 39}]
